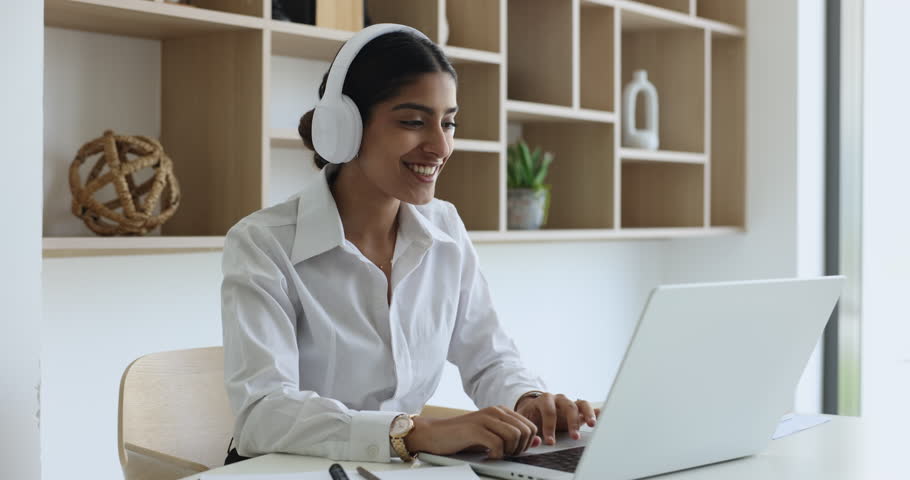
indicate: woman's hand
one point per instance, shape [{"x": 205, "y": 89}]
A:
[
  {"x": 557, "y": 413},
  {"x": 498, "y": 430}
]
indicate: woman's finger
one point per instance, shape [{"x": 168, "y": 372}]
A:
[
  {"x": 528, "y": 429},
  {"x": 568, "y": 410},
  {"x": 546, "y": 406},
  {"x": 587, "y": 412},
  {"x": 491, "y": 440},
  {"x": 510, "y": 434}
]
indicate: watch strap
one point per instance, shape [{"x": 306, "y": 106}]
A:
[{"x": 399, "y": 446}]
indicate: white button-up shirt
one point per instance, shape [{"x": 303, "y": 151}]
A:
[{"x": 317, "y": 362}]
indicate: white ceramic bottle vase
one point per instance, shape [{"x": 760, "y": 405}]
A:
[{"x": 647, "y": 137}]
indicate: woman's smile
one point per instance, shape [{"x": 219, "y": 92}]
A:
[{"x": 424, "y": 172}]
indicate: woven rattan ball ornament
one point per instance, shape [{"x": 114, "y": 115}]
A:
[{"x": 138, "y": 209}]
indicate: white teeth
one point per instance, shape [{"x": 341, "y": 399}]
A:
[{"x": 423, "y": 170}]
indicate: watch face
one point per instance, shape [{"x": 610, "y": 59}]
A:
[{"x": 401, "y": 425}]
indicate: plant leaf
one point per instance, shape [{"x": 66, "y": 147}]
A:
[
  {"x": 526, "y": 161},
  {"x": 544, "y": 168},
  {"x": 512, "y": 175},
  {"x": 516, "y": 164}
]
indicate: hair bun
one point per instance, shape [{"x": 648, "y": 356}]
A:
[{"x": 305, "y": 129}]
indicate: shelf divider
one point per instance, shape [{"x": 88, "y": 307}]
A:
[{"x": 667, "y": 156}]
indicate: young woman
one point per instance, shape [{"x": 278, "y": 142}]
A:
[{"x": 341, "y": 306}]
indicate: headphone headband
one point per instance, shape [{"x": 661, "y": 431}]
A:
[{"x": 339, "y": 69}]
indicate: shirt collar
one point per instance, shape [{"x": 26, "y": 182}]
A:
[
  {"x": 319, "y": 227},
  {"x": 412, "y": 224}
]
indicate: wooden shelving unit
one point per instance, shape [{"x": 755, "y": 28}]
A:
[{"x": 552, "y": 69}]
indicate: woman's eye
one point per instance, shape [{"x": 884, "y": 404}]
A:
[{"x": 419, "y": 123}]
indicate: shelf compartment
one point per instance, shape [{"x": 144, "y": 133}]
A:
[
  {"x": 474, "y": 24},
  {"x": 681, "y": 6},
  {"x": 640, "y": 16},
  {"x": 144, "y": 18},
  {"x": 253, "y": 8},
  {"x": 732, "y": 12},
  {"x": 305, "y": 41},
  {"x": 675, "y": 62},
  {"x": 519, "y": 111},
  {"x": 420, "y": 14},
  {"x": 581, "y": 176},
  {"x": 458, "y": 55},
  {"x": 213, "y": 134},
  {"x": 663, "y": 156},
  {"x": 479, "y": 97},
  {"x": 728, "y": 131},
  {"x": 597, "y": 48},
  {"x": 540, "y": 66},
  {"x": 661, "y": 195},
  {"x": 471, "y": 181}
]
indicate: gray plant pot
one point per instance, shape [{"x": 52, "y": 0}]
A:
[{"x": 526, "y": 208}]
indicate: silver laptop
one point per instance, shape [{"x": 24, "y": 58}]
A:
[{"x": 708, "y": 374}]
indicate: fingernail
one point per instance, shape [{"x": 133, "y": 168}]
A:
[
  {"x": 535, "y": 442},
  {"x": 551, "y": 440},
  {"x": 575, "y": 436}
]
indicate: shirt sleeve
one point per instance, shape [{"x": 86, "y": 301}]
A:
[
  {"x": 487, "y": 359},
  {"x": 261, "y": 365}
]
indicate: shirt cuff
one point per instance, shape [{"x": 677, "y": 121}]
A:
[{"x": 370, "y": 436}]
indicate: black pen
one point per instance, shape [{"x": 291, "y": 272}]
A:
[
  {"x": 337, "y": 472},
  {"x": 366, "y": 474}
]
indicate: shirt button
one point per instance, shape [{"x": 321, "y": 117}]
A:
[{"x": 373, "y": 451}]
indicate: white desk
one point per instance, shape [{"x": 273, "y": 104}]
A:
[{"x": 844, "y": 448}]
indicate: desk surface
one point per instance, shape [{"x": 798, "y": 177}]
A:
[{"x": 844, "y": 448}]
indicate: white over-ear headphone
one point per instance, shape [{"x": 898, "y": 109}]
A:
[{"x": 337, "y": 127}]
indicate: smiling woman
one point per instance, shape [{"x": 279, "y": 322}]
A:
[{"x": 341, "y": 306}]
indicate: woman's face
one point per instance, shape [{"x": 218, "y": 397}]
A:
[{"x": 409, "y": 138}]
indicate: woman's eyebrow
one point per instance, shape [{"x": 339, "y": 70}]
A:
[{"x": 422, "y": 108}]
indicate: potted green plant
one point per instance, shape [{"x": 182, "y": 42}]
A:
[{"x": 528, "y": 195}]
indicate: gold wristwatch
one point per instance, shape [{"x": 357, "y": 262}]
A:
[{"x": 402, "y": 425}]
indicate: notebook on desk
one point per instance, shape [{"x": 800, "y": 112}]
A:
[{"x": 708, "y": 373}]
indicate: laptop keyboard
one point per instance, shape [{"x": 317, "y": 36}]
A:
[{"x": 562, "y": 460}]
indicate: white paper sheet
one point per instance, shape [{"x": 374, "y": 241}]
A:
[
  {"x": 793, "y": 423},
  {"x": 462, "y": 472}
]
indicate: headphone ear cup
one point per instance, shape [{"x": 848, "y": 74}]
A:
[
  {"x": 337, "y": 130},
  {"x": 353, "y": 128}
]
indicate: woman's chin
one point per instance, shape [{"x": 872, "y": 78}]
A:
[{"x": 421, "y": 198}]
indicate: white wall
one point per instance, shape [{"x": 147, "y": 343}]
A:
[
  {"x": 885, "y": 347},
  {"x": 21, "y": 53}
]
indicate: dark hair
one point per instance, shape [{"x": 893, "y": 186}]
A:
[{"x": 379, "y": 71}]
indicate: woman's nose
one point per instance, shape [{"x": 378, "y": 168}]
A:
[{"x": 437, "y": 142}]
